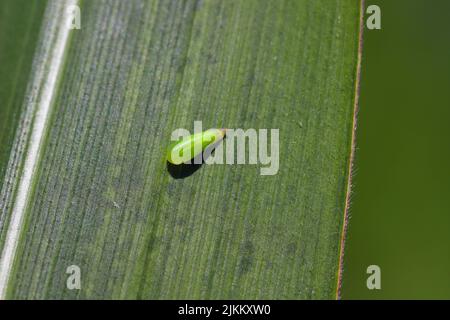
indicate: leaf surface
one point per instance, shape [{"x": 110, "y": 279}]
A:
[{"x": 102, "y": 197}]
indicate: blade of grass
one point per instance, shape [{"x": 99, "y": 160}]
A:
[{"x": 103, "y": 199}]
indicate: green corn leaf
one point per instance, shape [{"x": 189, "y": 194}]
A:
[{"x": 86, "y": 182}]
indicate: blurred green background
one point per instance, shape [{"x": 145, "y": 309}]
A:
[{"x": 400, "y": 213}]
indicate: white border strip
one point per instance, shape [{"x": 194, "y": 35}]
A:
[{"x": 42, "y": 114}]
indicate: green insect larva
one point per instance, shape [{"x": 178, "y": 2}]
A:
[{"x": 191, "y": 146}]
